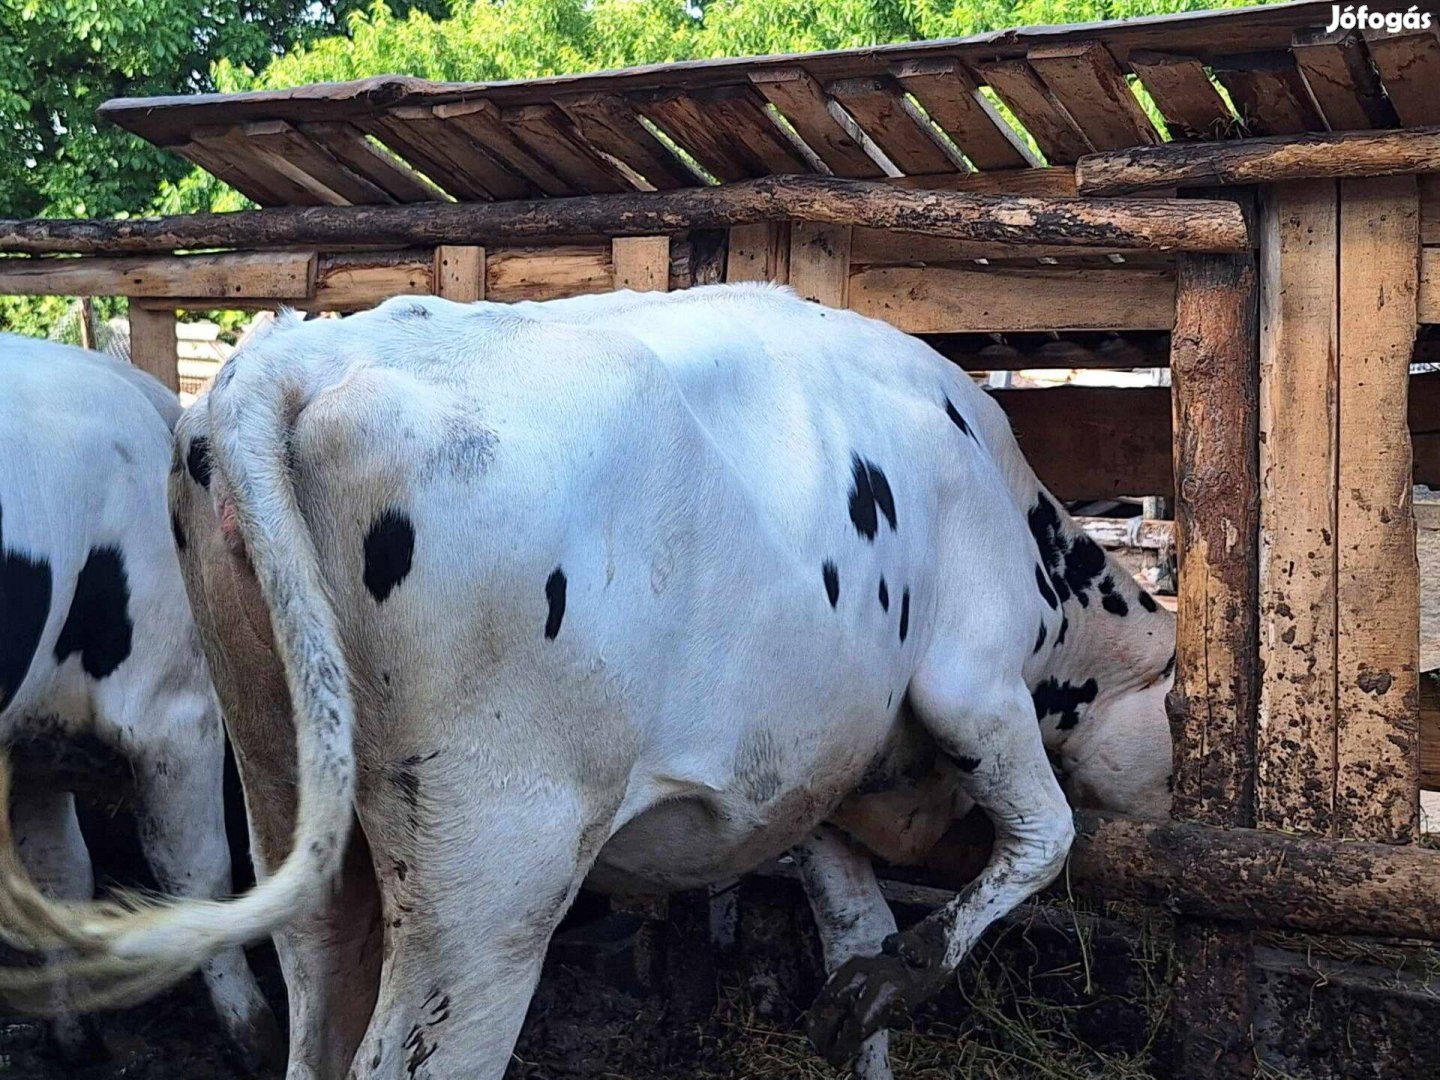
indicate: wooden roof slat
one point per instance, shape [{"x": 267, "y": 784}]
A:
[
  {"x": 481, "y": 121},
  {"x": 446, "y": 154},
  {"x": 1269, "y": 93},
  {"x": 952, "y": 98},
  {"x": 348, "y": 144},
  {"x": 1049, "y": 124},
  {"x": 879, "y": 106},
  {"x": 1182, "y": 91},
  {"x": 1203, "y": 34},
  {"x": 1409, "y": 66},
  {"x": 1336, "y": 68},
  {"x": 726, "y": 128},
  {"x": 250, "y": 183},
  {"x": 802, "y": 101},
  {"x": 311, "y": 165},
  {"x": 609, "y": 124},
  {"x": 1087, "y": 81},
  {"x": 273, "y": 186},
  {"x": 551, "y": 135}
]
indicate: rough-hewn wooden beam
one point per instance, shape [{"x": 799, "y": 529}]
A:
[
  {"x": 1315, "y": 155},
  {"x": 278, "y": 275},
  {"x": 1128, "y": 224}
]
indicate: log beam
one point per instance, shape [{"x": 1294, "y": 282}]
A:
[
  {"x": 1314, "y": 155},
  {"x": 1122, "y": 224}
]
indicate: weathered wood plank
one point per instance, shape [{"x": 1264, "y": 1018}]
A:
[
  {"x": 1378, "y": 582},
  {"x": 446, "y": 154},
  {"x": 1268, "y": 93},
  {"x": 551, "y": 136},
  {"x": 480, "y": 121},
  {"x": 1085, "y": 79},
  {"x": 1124, "y": 224},
  {"x": 1428, "y": 302},
  {"x": 459, "y": 273},
  {"x": 546, "y": 273},
  {"x": 952, "y": 98},
  {"x": 153, "y": 345},
  {"x": 759, "y": 252},
  {"x": 1184, "y": 94},
  {"x": 610, "y": 124},
  {"x": 1296, "y": 729},
  {"x": 1409, "y": 66},
  {"x": 278, "y": 275},
  {"x": 1212, "y": 705},
  {"x": 1213, "y": 365},
  {"x": 1049, "y": 124},
  {"x": 1313, "y": 155},
  {"x": 727, "y": 130},
  {"x": 820, "y": 262},
  {"x": 642, "y": 263},
  {"x": 802, "y": 101},
  {"x": 880, "y": 108},
  {"x": 1093, "y": 442},
  {"x": 1336, "y": 68},
  {"x": 1430, "y": 209},
  {"x": 348, "y": 145},
  {"x": 938, "y": 299},
  {"x": 359, "y": 281},
  {"x": 249, "y": 169},
  {"x": 292, "y": 152}
]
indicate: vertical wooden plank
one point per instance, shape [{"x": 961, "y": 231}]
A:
[
  {"x": 759, "y": 252},
  {"x": 1377, "y": 592},
  {"x": 153, "y": 345},
  {"x": 1213, "y": 367},
  {"x": 460, "y": 273},
  {"x": 820, "y": 262},
  {"x": 1295, "y": 732},
  {"x": 642, "y": 263},
  {"x": 1215, "y": 386}
]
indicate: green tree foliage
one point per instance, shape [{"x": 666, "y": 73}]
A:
[{"x": 59, "y": 59}]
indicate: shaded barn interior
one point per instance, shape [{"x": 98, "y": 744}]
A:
[{"x": 1297, "y": 412}]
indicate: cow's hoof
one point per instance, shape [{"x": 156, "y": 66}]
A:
[{"x": 869, "y": 993}]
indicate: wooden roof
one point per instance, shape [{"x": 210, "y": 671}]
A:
[{"x": 912, "y": 109}]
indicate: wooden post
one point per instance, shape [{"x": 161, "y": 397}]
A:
[
  {"x": 641, "y": 263},
  {"x": 1213, "y": 365},
  {"x": 820, "y": 262},
  {"x": 153, "y": 344},
  {"x": 759, "y": 252},
  {"x": 1378, "y": 763},
  {"x": 460, "y": 273},
  {"x": 1295, "y": 734}
]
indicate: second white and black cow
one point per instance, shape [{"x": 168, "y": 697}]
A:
[
  {"x": 102, "y": 679},
  {"x": 641, "y": 590}
]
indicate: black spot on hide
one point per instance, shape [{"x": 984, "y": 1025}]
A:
[
  {"x": 555, "y": 597},
  {"x": 98, "y": 625},
  {"x": 832, "y": 581},
  {"x": 389, "y": 552},
  {"x": 25, "y": 586},
  {"x": 1054, "y": 698},
  {"x": 197, "y": 460},
  {"x": 870, "y": 496}
]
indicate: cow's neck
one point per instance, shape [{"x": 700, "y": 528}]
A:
[{"x": 1113, "y": 640}]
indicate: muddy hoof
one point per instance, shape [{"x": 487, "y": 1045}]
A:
[{"x": 868, "y": 993}]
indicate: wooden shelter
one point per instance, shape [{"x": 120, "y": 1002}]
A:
[{"x": 1009, "y": 198}]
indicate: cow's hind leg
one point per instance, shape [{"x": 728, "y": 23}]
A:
[
  {"x": 988, "y": 726},
  {"x": 179, "y": 767},
  {"x": 852, "y": 917},
  {"x": 475, "y": 874},
  {"x": 54, "y": 852}
]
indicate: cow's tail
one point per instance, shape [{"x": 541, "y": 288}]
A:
[{"x": 114, "y": 954}]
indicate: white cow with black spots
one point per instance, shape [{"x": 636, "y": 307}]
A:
[
  {"x": 102, "y": 678},
  {"x": 639, "y": 590}
]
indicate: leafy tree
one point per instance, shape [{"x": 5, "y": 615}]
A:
[{"x": 59, "y": 59}]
